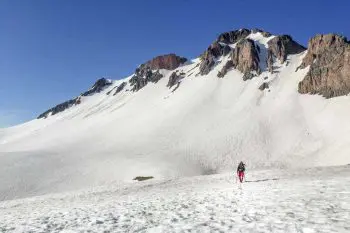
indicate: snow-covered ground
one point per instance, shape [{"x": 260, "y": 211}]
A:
[{"x": 303, "y": 200}]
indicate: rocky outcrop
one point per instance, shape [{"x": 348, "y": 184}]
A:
[
  {"x": 221, "y": 48},
  {"x": 225, "y": 69},
  {"x": 174, "y": 79},
  {"x": 168, "y": 62},
  {"x": 99, "y": 85},
  {"x": 329, "y": 59},
  {"x": 269, "y": 61},
  {"x": 120, "y": 88},
  {"x": 149, "y": 71},
  {"x": 208, "y": 58},
  {"x": 280, "y": 47},
  {"x": 143, "y": 75},
  {"x": 236, "y": 35},
  {"x": 58, "y": 108},
  {"x": 264, "y": 86},
  {"x": 245, "y": 58},
  {"x": 233, "y": 36},
  {"x": 207, "y": 63}
]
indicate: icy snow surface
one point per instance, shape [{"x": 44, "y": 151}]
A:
[{"x": 304, "y": 200}]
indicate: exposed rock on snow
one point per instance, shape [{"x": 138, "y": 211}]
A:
[
  {"x": 225, "y": 69},
  {"x": 149, "y": 71},
  {"x": 99, "y": 85},
  {"x": 168, "y": 62},
  {"x": 233, "y": 36},
  {"x": 143, "y": 75},
  {"x": 280, "y": 47},
  {"x": 220, "y": 48},
  {"x": 329, "y": 59},
  {"x": 120, "y": 88},
  {"x": 209, "y": 57},
  {"x": 245, "y": 58},
  {"x": 174, "y": 78},
  {"x": 58, "y": 108},
  {"x": 264, "y": 86},
  {"x": 236, "y": 35}
]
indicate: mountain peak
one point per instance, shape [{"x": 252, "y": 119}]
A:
[
  {"x": 234, "y": 36},
  {"x": 168, "y": 61}
]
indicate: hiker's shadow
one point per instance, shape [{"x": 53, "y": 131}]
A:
[{"x": 251, "y": 181}]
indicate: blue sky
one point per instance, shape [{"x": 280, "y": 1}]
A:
[{"x": 52, "y": 50}]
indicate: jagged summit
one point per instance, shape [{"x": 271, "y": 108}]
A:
[
  {"x": 234, "y": 36},
  {"x": 245, "y": 52}
]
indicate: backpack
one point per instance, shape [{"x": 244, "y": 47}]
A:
[{"x": 241, "y": 168}]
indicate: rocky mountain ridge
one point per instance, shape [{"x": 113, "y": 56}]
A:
[
  {"x": 98, "y": 86},
  {"x": 328, "y": 57}
]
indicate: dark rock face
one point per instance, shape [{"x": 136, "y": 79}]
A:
[
  {"x": 58, "y": 108},
  {"x": 264, "y": 86},
  {"x": 269, "y": 61},
  {"x": 245, "y": 58},
  {"x": 120, "y": 88},
  {"x": 236, "y": 35},
  {"x": 149, "y": 71},
  {"x": 280, "y": 47},
  {"x": 206, "y": 64},
  {"x": 233, "y": 36},
  {"x": 143, "y": 75},
  {"x": 225, "y": 69},
  {"x": 117, "y": 89},
  {"x": 168, "y": 62},
  {"x": 174, "y": 79},
  {"x": 99, "y": 85},
  {"x": 208, "y": 58},
  {"x": 248, "y": 76},
  {"x": 221, "y": 48},
  {"x": 329, "y": 59}
]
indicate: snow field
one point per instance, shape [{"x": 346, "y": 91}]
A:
[{"x": 305, "y": 200}]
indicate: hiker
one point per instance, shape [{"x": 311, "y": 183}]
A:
[{"x": 240, "y": 171}]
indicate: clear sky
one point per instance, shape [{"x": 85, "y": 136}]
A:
[{"x": 52, "y": 50}]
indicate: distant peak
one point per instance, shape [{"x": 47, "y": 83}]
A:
[
  {"x": 168, "y": 61},
  {"x": 234, "y": 36}
]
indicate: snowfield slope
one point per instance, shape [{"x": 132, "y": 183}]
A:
[
  {"x": 303, "y": 200},
  {"x": 204, "y": 126}
]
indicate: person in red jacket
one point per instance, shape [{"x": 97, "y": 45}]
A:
[{"x": 240, "y": 171}]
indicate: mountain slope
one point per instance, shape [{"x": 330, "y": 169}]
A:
[{"x": 182, "y": 121}]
